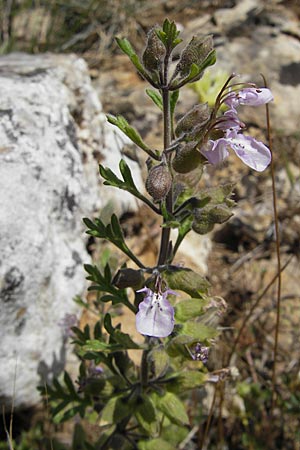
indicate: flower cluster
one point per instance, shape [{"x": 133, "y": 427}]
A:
[
  {"x": 252, "y": 152},
  {"x": 156, "y": 315}
]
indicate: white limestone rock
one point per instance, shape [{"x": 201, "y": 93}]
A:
[{"x": 50, "y": 122}]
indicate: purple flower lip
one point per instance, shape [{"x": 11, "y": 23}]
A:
[{"x": 156, "y": 315}]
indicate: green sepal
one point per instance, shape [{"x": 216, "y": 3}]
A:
[
  {"x": 186, "y": 280},
  {"x": 189, "y": 308},
  {"x": 198, "y": 331}
]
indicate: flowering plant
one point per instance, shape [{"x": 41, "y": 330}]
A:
[{"x": 142, "y": 406}]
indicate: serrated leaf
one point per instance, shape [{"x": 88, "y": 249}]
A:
[
  {"x": 186, "y": 280},
  {"x": 173, "y": 408},
  {"x": 125, "y": 340},
  {"x": 189, "y": 308},
  {"x": 155, "y": 97}
]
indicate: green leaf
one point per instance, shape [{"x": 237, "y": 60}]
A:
[
  {"x": 94, "y": 345},
  {"x": 159, "y": 361},
  {"x": 127, "y": 129},
  {"x": 185, "y": 381},
  {"x": 126, "y": 173},
  {"x": 186, "y": 280},
  {"x": 105, "y": 435},
  {"x": 155, "y": 444},
  {"x": 173, "y": 101},
  {"x": 173, "y": 408},
  {"x": 189, "y": 308},
  {"x": 125, "y": 46},
  {"x": 155, "y": 97},
  {"x": 127, "y": 185},
  {"x": 70, "y": 385},
  {"x": 177, "y": 346},
  {"x": 198, "y": 331},
  {"x": 145, "y": 414},
  {"x": 125, "y": 340},
  {"x": 116, "y": 409}
]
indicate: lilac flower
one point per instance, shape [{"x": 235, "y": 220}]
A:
[
  {"x": 156, "y": 315},
  {"x": 249, "y": 96},
  {"x": 252, "y": 152}
]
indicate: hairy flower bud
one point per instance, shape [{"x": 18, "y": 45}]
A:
[
  {"x": 187, "y": 158},
  {"x": 196, "y": 52},
  {"x": 193, "y": 120},
  {"x": 153, "y": 52},
  {"x": 127, "y": 277},
  {"x": 159, "y": 181}
]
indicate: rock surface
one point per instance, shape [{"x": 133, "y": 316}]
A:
[{"x": 51, "y": 121}]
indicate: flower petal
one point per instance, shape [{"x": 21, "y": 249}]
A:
[
  {"x": 155, "y": 317},
  {"x": 254, "y": 96},
  {"x": 252, "y": 152},
  {"x": 215, "y": 151}
]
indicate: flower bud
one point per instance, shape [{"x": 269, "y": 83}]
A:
[
  {"x": 159, "y": 181},
  {"x": 127, "y": 277},
  {"x": 187, "y": 158},
  {"x": 153, "y": 52},
  {"x": 193, "y": 120},
  {"x": 196, "y": 52}
]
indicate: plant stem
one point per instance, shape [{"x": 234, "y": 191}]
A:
[
  {"x": 144, "y": 366},
  {"x": 165, "y": 235}
]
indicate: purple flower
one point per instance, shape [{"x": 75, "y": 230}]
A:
[
  {"x": 249, "y": 96},
  {"x": 156, "y": 315},
  {"x": 252, "y": 152}
]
